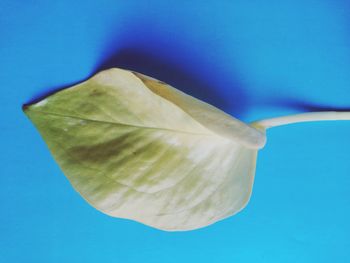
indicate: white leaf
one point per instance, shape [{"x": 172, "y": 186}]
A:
[{"x": 137, "y": 148}]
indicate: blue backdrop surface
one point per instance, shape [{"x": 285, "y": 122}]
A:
[{"x": 252, "y": 59}]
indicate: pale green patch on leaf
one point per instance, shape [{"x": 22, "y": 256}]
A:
[{"x": 137, "y": 148}]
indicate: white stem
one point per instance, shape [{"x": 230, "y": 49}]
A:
[{"x": 303, "y": 117}]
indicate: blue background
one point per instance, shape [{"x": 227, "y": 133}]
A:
[{"x": 252, "y": 60}]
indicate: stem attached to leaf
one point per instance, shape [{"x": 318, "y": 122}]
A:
[{"x": 303, "y": 117}]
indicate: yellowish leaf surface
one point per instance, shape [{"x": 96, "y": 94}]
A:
[{"x": 137, "y": 148}]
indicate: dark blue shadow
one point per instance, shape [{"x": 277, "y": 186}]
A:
[
  {"x": 170, "y": 72},
  {"x": 175, "y": 75},
  {"x": 302, "y": 105},
  {"x": 148, "y": 49}
]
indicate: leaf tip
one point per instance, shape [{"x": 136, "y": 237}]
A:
[{"x": 25, "y": 107}]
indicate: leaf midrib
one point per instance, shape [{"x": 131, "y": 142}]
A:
[{"x": 124, "y": 124}]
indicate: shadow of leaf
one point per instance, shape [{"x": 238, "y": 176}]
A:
[
  {"x": 142, "y": 47},
  {"x": 168, "y": 72},
  {"x": 177, "y": 76},
  {"x": 303, "y": 106}
]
